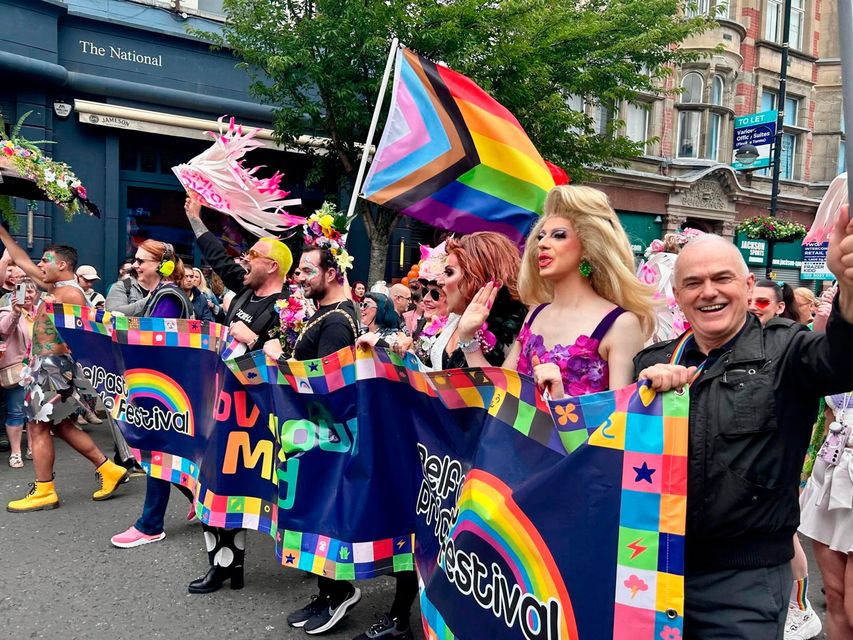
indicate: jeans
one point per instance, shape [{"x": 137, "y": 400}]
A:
[{"x": 154, "y": 509}]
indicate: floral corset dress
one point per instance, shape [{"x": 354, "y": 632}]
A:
[{"x": 583, "y": 369}]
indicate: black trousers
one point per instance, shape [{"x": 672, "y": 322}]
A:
[{"x": 737, "y": 604}]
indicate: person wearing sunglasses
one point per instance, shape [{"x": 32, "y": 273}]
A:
[
  {"x": 57, "y": 388},
  {"x": 383, "y": 324},
  {"x": 767, "y": 302},
  {"x": 257, "y": 282},
  {"x": 160, "y": 271},
  {"x": 414, "y": 315}
]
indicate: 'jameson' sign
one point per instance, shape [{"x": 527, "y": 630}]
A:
[{"x": 91, "y": 48}]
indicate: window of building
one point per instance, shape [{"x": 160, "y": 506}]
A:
[
  {"x": 691, "y": 85},
  {"x": 208, "y": 8},
  {"x": 637, "y": 123},
  {"x": 700, "y": 127},
  {"x": 842, "y": 148},
  {"x": 773, "y": 22},
  {"x": 604, "y": 116},
  {"x": 689, "y": 127},
  {"x": 790, "y": 134},
  {"x": 698, "y": 8}
]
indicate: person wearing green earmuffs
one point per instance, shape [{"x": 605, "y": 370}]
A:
[{"x": 159, "y": 270}]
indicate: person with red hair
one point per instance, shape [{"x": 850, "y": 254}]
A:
[{"x": 160, "y": 271}]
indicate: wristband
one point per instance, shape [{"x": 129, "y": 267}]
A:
[{"x": 469, "y": 346}]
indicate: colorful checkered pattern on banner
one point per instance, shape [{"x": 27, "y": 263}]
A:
[
  {"x": 168, "y": 467},
  {"x": 651, "y": 430},
  {"x": 169, "y": 332},
  {"x": 344, "y": 560},
  {"x": 510, "y": 397},
  {"x": 69, "y": 316}
]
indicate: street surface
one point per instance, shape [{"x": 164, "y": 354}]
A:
[{"x": 61, "y": 578}]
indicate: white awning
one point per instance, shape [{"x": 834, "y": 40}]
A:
[{"x": 170, "y": 124}]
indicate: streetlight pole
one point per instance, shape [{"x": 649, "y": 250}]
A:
[
  {"x": 780, "y": 122},
  {"x": 845, "y": 28}
]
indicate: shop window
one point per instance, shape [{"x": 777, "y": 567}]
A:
[{"x": 773, "y": 22}]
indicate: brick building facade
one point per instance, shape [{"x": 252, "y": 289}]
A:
[{"x": 685, "y": 177}]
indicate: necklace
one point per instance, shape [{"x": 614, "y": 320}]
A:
[{"x": 316, "y": 321}]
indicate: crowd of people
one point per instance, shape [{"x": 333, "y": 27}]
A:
[{"x": 573, "y": 312}]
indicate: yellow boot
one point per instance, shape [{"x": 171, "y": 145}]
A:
[
  {"x": 111, "y": 475},
  {"x": 42, "y": 495}
]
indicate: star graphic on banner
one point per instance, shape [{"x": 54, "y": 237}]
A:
[
  {"x": 644, "y": 473},
  {"x": 289, "y": 558},
  {"x": 314, "y": 366}
]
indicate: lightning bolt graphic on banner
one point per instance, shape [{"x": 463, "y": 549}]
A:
[{"x": 636, "y": 547}]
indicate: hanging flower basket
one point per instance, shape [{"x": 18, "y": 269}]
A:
[
  {"x": 771, "y": 228},
  {"x": 54, "y": 180}
]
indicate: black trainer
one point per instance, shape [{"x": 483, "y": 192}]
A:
[
  {"x": 385, "y": 627},
  {"x": 329, "y": 617},
  {"x": 299, "y": 617}
]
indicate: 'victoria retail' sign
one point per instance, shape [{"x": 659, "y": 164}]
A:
[{"x": 91, "y": 48}]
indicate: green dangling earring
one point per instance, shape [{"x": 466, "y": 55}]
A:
[{"x": 585, "y": 268}]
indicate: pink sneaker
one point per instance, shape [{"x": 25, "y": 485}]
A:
[{"x": 133, "y": 537}]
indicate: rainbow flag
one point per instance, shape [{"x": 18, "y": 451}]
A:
[{"x": 453, "y": 157}]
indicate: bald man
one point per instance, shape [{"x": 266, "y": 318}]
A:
[
  {"x": 754, "y": 395},
  {"x": 401, "y": 297}
]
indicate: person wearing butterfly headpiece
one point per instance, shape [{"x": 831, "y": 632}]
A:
[
  {"x": 252, "y": 319},
  {"x": 333, "y": 326},
  {"x": 57, "y": 389},
  {"x": 754, "y": 393}
]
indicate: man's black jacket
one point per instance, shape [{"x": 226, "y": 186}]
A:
[{"x": 751, "y": 415}]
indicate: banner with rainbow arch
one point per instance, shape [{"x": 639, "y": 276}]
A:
[{"x": 523, "y": 520}]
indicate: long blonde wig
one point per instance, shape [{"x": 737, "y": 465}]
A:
[{"x": 605, "y": 247}]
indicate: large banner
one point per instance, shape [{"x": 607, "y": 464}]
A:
[{"x": 523, "y": 520}]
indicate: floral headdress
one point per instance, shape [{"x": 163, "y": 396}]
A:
[
  {"x": 432, "y": 262},
  {"x": 55, "y": 179},
  {"x": 325, "y": 229}
]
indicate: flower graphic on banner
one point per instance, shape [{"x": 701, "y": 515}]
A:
[
  {"x": 566, "y": 414},
  {"x": 670, "y": 633}
]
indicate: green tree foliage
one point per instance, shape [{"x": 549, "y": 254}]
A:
[{"x": 319, "y": 62}]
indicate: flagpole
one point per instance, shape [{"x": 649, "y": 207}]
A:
[
  {"x": 845, "y": 29},
  {"x": 372, "y": 130}
]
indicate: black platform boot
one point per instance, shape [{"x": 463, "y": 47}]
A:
[{"x": 226, "y": 551}]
